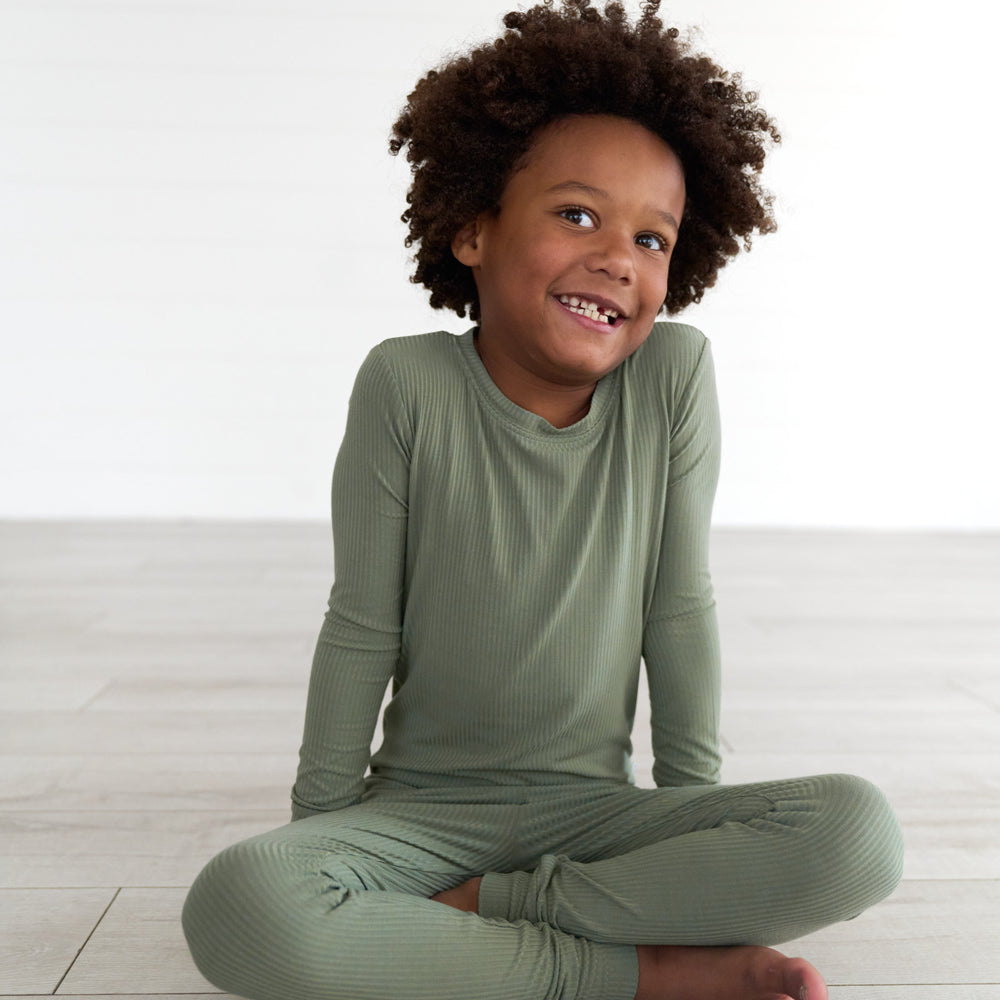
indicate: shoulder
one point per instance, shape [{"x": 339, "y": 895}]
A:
[
  {"x": 673, "y": 345},
  {"x": 420, "y": 351},
  {"x": 674, "y": 358},
  {"x": 416, "y": 362},
  {"x": 406, "y": 364}
]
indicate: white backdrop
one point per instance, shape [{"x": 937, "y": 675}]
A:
[{"x": 199, "y": 242}]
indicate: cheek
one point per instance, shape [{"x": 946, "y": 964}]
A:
[
  {"x": 544, "y": 260},
  {"x": 655, "y": 287}
]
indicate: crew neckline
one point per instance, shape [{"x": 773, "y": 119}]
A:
[{"x": 524, "y": 420}]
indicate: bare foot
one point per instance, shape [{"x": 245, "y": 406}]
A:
[
  {"x": 462, "y": 897},
  {"x": 679, "y": 973},
  {"x": 683, "y": 973}
]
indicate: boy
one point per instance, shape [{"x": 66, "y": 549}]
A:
[{"x": 521, "y": 516}]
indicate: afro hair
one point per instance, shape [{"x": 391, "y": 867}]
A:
[{"x": 468, "y": 125}]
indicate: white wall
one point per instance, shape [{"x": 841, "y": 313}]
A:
[{"x": 199, "y": 241}]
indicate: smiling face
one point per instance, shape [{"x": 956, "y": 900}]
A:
[{"x": 572, "y": 269}]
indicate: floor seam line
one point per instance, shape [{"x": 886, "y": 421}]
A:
[{"x": 79, "y": 951}]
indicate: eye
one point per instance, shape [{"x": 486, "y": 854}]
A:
[
  {"x": 652, "y": 241},
  {"x": 579, "y": 217}
]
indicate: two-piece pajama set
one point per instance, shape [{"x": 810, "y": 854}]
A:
[{"x": 509, "y": 579}]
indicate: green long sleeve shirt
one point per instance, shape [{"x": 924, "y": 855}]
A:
[{"x": 509, "y": 577}]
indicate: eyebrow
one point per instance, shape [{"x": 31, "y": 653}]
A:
[{"x": 601, "y": 193}]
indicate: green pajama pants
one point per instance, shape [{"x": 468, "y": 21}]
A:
[{"x": 335, "y": 907}]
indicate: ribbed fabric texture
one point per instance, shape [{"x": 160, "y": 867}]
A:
[
  {"x": 753, "y": 864},
  {"x": 508, "y": 577},
  {"x": 335, "y": 907}
]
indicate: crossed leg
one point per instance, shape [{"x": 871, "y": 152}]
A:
[
  {"x": 337, "y": 906},
  {"x": 745, "y": 866},
  {"x": 670, "y": 972}
]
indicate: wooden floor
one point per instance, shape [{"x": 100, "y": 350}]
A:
[{"x": 152, "y": 683}]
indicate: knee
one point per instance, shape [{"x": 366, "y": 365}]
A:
[
  {"x": 246, "y": 920},
  {"x": 862, "y": 839},
  {"x": 214, "y": 918}
]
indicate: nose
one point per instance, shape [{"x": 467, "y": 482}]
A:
[{"x": 614, "y": 254}]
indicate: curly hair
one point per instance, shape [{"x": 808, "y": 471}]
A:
[{"x": 468, "y": 125}]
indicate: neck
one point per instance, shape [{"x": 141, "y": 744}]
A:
[{"x": 561, "y": 406}]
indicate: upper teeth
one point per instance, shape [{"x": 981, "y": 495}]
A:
[{"x": 589, "y": 309}]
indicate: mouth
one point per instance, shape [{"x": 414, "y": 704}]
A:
[{"x": 597, "y": 310}]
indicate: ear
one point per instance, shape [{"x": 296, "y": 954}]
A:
[{"x": 467, "y": 244}]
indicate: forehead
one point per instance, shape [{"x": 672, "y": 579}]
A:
[{"x": 601, "y": 151}]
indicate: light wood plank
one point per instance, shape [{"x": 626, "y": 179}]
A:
[
  {"x": 150, "y": 732},
  {"x": 850, "y": 651},
  {"x": 951, "y": 844},
  {"x": 61, "y": 695},
  {"x": 926, "y": 933},
  {"x": 819, "y": 728},
  {"x": 41, "y": 931},
  {"x": 936, "y": 992},
  {"x": 922, "y": 697},
  {"x": 235, "y": 611},
  {"x": 191, "y": 782},
  {"x": 772, "y": 552},
  {"x": 56, "y": 849},
  {"x": 986, "y": 690},
  {"x": 956, "y": 777},
  {"x": 805, "y": 593},
  {"x": 139, "y": 947},
  {"x": 153, "y": 676},
  {"x": 206, "y": 694},
  {"x": 183, "y": 653}
]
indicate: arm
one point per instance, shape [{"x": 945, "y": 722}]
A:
[
  {"x": 359, "y": 642},
  {"x": 680, "y": 641}
]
